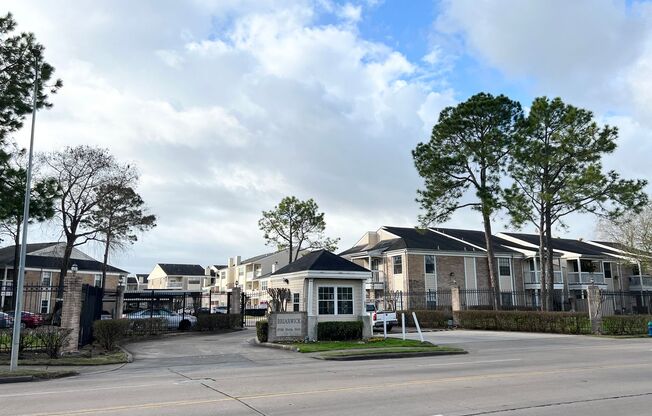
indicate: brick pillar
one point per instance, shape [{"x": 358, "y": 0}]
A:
[
  {"x": 595, "y": 308},
  {"x": 119, "y": 302},
  {"x": 236, "y": 294},
  {"x": 455, "y": 303},
  {"x": 71, "y": 311}
]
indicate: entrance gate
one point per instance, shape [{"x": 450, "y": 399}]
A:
[{"x": 91, "y": 310}]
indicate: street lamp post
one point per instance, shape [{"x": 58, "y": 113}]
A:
[{"x": 18, "y": 303}]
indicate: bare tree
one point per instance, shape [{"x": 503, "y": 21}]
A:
[
  {"x": 80, "y": 172},
  {"x": 633, "y": 234}
]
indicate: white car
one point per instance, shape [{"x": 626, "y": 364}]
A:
[{"x": 174, "y": 320}]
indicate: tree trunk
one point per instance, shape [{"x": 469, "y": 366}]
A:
[
  {"x": 105, "y": 262},
  {"x": 491, "y": 261},
  {"x": 70, "y": 242},
  {"x": 542, "y": 268},
  {"x": 549, "y": 260}
]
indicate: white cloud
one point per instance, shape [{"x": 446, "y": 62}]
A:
[{"x": 226, "y": 107}]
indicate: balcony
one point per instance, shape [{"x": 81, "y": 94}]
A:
[
  {"x": 175, "y": 285},
  {"x": 532, "y": 280},
  {"x": 377, "y": 280},
  {"x": 585, "y": 278},
  {"x": 643, "y": 282}
]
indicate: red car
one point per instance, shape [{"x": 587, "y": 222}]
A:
[{"x": 29, "y": 319}]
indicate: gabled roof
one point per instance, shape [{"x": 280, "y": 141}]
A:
[
  {"x": 322, "y": 260},
  {"x": 52, "y": 262},
  {"x": 565, "y": 244},
  {"x": 477, "y": 238},
  {"x": 259, "y": 257},
  {"x": 220, "y": 266},
  {"x": 182, "y": 269}
]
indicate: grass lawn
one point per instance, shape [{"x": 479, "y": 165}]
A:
[
  {"x": 40, "y": 374},
  {"x": 117, "y": 357},
  {"x": 396, "y": 344}
]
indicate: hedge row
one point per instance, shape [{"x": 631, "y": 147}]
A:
[
  {"x": 427, "y": 318},
  {"x": 262, "y": 330},
  {"x": 218, "y": 321},
  {"x": 339, "y": 331},
  {"x": 625, "y": 325},
  {"x": 526, "y": 321}
]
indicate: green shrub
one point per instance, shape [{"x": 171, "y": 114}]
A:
[
  {"x": 262, "y": 330},
  {"x": 339, "y": 331},
  {"x": 108, "y": 332},
  {"x": 217, "y": 321},
  {"x": 526, "y": 321},
  {"x": 28, "y": 340},
  {"x": 151, "y": 326},
  {"x": 427, "y": 318},
  {"x": 625, "y": 325},
  {"x": 52, "y": 339}
]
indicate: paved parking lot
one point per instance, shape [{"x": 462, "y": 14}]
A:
[{"x": 503, "y": 374}]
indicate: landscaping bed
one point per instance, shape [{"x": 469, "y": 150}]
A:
[
  {"x": 374, "y": 348},
  {"x": 84, "y": 358},
  {"x": 7, "y": 376}
]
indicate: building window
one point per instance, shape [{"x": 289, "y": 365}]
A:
[
  {"x": 430, "y": 264},
  {"x": 607, "y": 270},
  {"x": 263, "y": 285},
  {"x": 345, "y": 301},
  {"x": 45, "y": 306},
  {"x": 46, "y": 278},
  {"x": 97, "y": 282},
  {"x": 193, "y": 281},
  {"x": 295, "y": 302},
  {"x": 397, "y": 261},
  {"x": 504, "y": 267},
  {"x": 258, "y": 270},
  {"x": 326, "y": 300},
  {"x": 240, "y": 271}
]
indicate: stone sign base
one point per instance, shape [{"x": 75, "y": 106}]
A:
[{"x": 287, "y": 326}]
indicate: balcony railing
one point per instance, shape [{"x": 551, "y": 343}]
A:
[
  {"x": 175, "y": 285},
  {"x": 532, "y": 277},
  {"x": 635, "y": 281},
  {"x": 585, "y": 278}
]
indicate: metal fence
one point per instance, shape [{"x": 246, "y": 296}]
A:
[{"x": 626, "y": 303}]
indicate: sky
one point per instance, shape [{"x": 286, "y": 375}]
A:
[{"x": 227, "y": 106}]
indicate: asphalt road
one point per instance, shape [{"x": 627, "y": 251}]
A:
[{"x": 504, "y": 374}]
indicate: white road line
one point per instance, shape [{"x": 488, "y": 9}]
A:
[
  {"x": 40, "y": 393},
  {"x": 469, "y": 362}
]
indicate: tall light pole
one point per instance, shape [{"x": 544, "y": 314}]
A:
[{"x": 18, "y": 315}]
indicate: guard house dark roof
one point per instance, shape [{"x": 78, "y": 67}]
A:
[
  {"x": 565, "y": 244},
  {"x": 322, "y": 260},
  {"x": 182, "y": 269}
]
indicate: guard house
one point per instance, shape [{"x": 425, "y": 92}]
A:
[{"x": 325, "y": 286}]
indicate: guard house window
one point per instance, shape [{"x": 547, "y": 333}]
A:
[
  {"x": 397, "y": 261},
  {"x": 263, "y": 285},
  {"x": 345, "y": 301},
  {"x": 326, "y": 298},
  {"x": 504, "y": 267},
  {"x": 295, "y": 302},
  {"x": 430, "y": 264}
]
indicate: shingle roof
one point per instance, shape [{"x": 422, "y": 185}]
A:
[
  {"x": 564, "y": 244},
  {"x": 50, "y": 262},
  {"x": 182, "y": 269},
  {"x": 477, "y": 238},
  {"x": 322, "y": 260},
  {"x": 7, "y": 253}
]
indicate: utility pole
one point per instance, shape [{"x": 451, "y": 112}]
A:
[{"x": 20, "y": 281}]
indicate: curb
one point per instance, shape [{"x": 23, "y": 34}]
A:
[
  {"x": 130, "y": 357},
  {"x": 16, "y": 379},
  {"x": 362, "y": 357},
  {"x": 255, "y": 342}
]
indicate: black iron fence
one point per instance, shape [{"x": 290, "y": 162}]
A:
[
  {"x": 423, "y": 300},
  {"x": 626, "y": 303}
]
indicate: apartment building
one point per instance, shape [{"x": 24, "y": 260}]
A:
[{"x": 189, "y": 277}]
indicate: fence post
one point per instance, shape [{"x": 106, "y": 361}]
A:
[
  {"x": 71, "y": 311},
  {"x": 119, "y": 302},
  {"x": 455, "y": 304},
  {"x": 595, "y": 308}
]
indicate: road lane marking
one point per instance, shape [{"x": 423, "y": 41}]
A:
[
  {"x": 469, "y": 362},
  {"x": 336, "y": 390},
  {"x": 39, "y": 393}
]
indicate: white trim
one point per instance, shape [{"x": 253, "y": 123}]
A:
[
  {"x": 323, "y": 274},
  {"x": 458, "y": 239}
]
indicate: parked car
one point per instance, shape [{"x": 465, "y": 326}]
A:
[
  {"x": 221, "y": 309},
  {"x": 6, "y": 321},
  {"x": 174, "y": 320},
  {"x": 378, "y": 316},
  {"x": 28, "y": 319}
]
